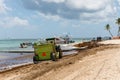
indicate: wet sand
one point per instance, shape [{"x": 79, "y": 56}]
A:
[{"x": 100, "y": 63}]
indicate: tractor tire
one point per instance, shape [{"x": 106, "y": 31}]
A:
[
  {"x": 53, "y": 56},
  {"x": 60, "y": 55},
  {"x": 60, "y": 52},
  {"x": 34, "y": 60}
]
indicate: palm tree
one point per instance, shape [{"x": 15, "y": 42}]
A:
[
  {"x": 107, "y": 27},
  {"x": 118, "y": 23}
]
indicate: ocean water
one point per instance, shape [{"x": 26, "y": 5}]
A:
[
  {"x": 13, "y": 43},
  {"x": 10, "y": 60},
  {"x": 81, "y": 39}
]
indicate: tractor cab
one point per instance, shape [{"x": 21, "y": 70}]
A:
[
  {"x": 56, "y": 40},
  {"x": 48, "y": 50},
  {"x": 51, "y": 40}
]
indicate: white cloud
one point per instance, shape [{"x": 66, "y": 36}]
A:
[
  {"x": 119, "y": 2},
  {"x": 87, "y": 4},
  {"x": 55, "y": 1},
  {"x": 3, "y": 7},
  {"x": 49, "y": 17},
  {"x": 83, "y": 10},
  {"x": 13, "y": 22},
  {"x": 107, "y": 13}
]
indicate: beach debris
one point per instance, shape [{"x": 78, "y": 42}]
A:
[{"x": 89, "y": 44}]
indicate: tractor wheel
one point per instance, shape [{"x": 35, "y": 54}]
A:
[
  {"x": 53, "y": 57},
  {"x": 60, "y": 55},
  {"x": 60, "y": 52},
  {"x": 34, "y": 60}
]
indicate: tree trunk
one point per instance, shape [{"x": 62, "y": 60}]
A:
[
  {"x": 118, "y": 31},
  {"x": 110, "y": 33}
]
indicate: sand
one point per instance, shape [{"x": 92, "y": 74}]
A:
[
  {"x": 100, "y": 63},
  {"x": 114, "y": 41}
]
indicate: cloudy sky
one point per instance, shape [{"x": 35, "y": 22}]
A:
[{"x": 47, "y": 18}]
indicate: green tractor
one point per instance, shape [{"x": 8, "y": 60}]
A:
[{"x": 47, "y": 51}]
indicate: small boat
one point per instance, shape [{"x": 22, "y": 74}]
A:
[
  {"x": 61, "y": 40},
  {"x": 25, "y": 44},
  {"x": 67, "y": 39}
]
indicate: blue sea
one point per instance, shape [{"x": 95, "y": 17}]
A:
[
  {"x": 9, "y": 60},
  {"x": 15, "y": 43}
]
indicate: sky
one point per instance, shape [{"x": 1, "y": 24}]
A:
[{"x": 48, "y": 18}]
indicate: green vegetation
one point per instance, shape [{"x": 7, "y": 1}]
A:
[
  {"x": 108, "y": 29},
  {"x": 118, "y": 23}
]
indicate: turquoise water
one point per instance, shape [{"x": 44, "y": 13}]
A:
[
  {"x": 9, "y": 60},
  {"x": 15, "y": 43},
  {"x": 81, "y": 39}
]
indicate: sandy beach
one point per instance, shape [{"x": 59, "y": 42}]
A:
[
  {"x": 59, "y": 39},
  {"x": 99, "y": 63}
]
